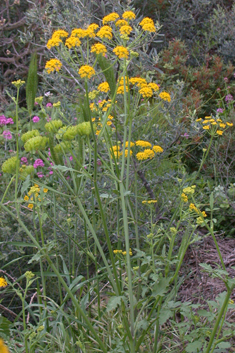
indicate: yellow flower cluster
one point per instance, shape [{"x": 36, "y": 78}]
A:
[
  {"x": 86, "y": 71},
  {"x": 55, "y": 40},
  {"x": 53, "y": 64},
  {"x": 126, "y": 153},
  {"x": 194, "y": 208},
  {"x": 121, "y": 23},
  {"x": 209, "y": 122},
  {"x": 157, "y": 149},
  {"x": 145, "y": 89},
  {"x": 184, "y": 197},
  {"x": 72, "y": 42},
  {"x": 83, "y": 33},
  {"x": 3, "y": 347},
  {"x": 149, "y": 202},
  {"x": 138, "y": 81},
  {"x": 128, "y": 15},
  {"x": 125, "y": 30},
  {"x": 121, "y": 52},
  {"x": 18, "y": 83},
  {"x": 33, "y": 193},
  {"x": 142, "y": 143},
  {"x": 3, "y": 282},
  {"x": 132, "y": 144},
  {"x": 147, "y": 25},
  {"x": 122, "y": 252},
  {"x": 189, "y": 190},
  {"x": 105, "y": 32},
  {"x": 146, "y": 92},
  {"x": 165, "y": 96},
  {"x": 99, "y": 49},
  {"x": 103, "y": 87},
  {"x": 110, "y": 18},
  {"x": 147, "y": 154}
]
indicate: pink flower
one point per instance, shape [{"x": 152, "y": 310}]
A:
[
  {"x": 9, "y": 121},
  {"x": 40, "y": 175},
  {"x": 228, "y": 98},
  {"x": 71, "y": 158},
  {"x": 226, "y": 79},
  {"x": 3, "y": 120},
  {"x": 51, "y": 172},
  {"x": 36, "y": 119},
  {"x": 49, "y": 105},
  {"x": 24, "y": 160},
  {"x": 7, "y": 135},
  {"x": 38, "y": 163},
  {"x": 220, "y": 110}
]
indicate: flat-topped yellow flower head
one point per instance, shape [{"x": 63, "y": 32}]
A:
[{"x": 86, "y": 71}]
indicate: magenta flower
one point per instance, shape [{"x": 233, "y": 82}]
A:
[
  {"x": 71, "y": 158},
  {"x": 9, "y": 121},
  {"x": 36, "y": 119},
  {"x": 24, "y": 160},
  {"x": 3, "y": 120},
  {"x": 38, "y": 163},
  {"x": 220, "y": 110},
  {"x": 7, "y": 135},
  {"x": 40, "y": 175},
  {"x": 49, "y": 105},
  {"x": 228, "y": 98}
]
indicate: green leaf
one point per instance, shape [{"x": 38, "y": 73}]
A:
[
  {"x": 5, "y": 326},
  {"x": 25, "y": 185},
  {"x": 114, "y": 302},
  {"x": 108, "y": 72},
  {"x": 32, "y": 83},
  {"x": 23, "y": 244},
  {"x": 194, "y": 347},
  {"x": 164, "y": 315},
  {"x": 223, "y": 345},
  {"x": 207, "y": 268},
  {"x": 142, "y": 325},
  {"x": 160, "y": 288}
]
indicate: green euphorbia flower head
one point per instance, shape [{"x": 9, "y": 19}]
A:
[
  {"x": 9, "y": 166},
  {"x": 35, "y": 144},
  {"x": 29, "y": 134}
]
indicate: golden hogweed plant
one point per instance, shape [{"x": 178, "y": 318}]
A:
[{"x": 141, "y": 283}]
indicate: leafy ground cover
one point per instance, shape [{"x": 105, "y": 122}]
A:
[{"x": 112, "y": 196}]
